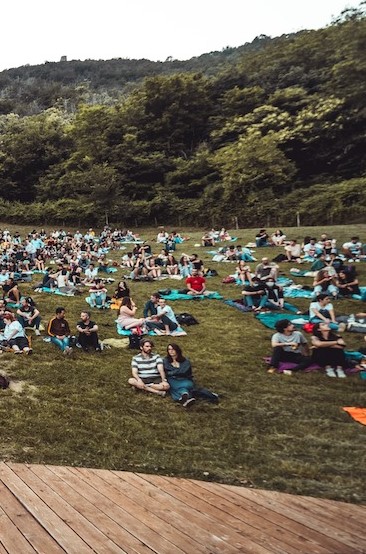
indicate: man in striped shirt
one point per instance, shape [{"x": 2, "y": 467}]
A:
[{"x": 147, "y": 370}]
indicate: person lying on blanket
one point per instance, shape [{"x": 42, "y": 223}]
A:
[{"x": 289, "y": 346}]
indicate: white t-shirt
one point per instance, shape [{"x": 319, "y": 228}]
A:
[{"x": 295, "y": 336}]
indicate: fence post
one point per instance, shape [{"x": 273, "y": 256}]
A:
[{"x": 298, "y": 223}]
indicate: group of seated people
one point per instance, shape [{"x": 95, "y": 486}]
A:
[
  {"x": 153, "y": 374},
  {"x": 311, "y": 248},
  {"x": 326, "y": 349}
]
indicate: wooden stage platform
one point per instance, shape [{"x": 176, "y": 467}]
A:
[{"x": 48, "y": 509}]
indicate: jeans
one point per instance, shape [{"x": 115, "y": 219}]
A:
[
  {"x": 256, "y": 301},
  {"x": 25, "y": 323},
  {"x": 286, "y": 306},
  {"x": 333, "y": 326},
  {"x": 61, "y": 343}
]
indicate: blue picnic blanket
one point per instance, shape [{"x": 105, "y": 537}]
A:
[
  {"x": 289, "y": 292},
  {"x": 269, "y": 319},
  {"x": 176, "y": 295}
]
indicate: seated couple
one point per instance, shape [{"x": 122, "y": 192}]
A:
[
  {"x": 151, "y": 373},
  {"x": 291, "y": 346},
  {"x": 158, "y": 316},
  {"x": 59, "y": 331},
  {"x": 266, "y": 295}
]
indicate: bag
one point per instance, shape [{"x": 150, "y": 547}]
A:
[
  {"x": 308, "y": 327},
  {"x": 134, "y": 343},
  {"x": 4, "y": 382},
  {"x": 229, "y": 279},
  {"x": 186, "y": 319},
  {"x": 211, "y": 273}
]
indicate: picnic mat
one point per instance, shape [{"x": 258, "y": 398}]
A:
[
  {"x": 179, "y": 332},
  {"x": 269, "y": 319},
  {"x": 176, "y": 295},
  {"x": 358, "y": 414}
]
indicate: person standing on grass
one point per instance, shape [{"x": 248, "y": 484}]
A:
[
  {"x": 147, "y": 370},
  {"x": 88, "y": 333},
  {"x": 59, "y": 330},
  {"x": 289, "y": 346}
]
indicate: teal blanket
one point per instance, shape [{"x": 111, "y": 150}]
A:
[
  {"x": 269, "y": 319},
  {"x": 176, "y": 295}
]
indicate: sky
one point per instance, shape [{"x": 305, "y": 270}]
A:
[{"x": 35, "y": 31}]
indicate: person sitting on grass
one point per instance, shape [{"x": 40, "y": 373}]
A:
[
  {"x": 28, "y": 315},
  {"x": 328, "y": 350},
  {"x": 266, "y": 270},
  {"x": 147, "y": 370},
  {"x": 166, "y": 318},
  {"x": 178, "y": 370},
  {"x": 11, "y": 292},
  {"x": 352, "y": 249},
  {"x": 98, "y": 294},
  {"x": 208, "y": 239},
  {"x": 262, "y": 238},
  {"x": 14, "y": 335},
  {"x": 274, "y": 298},
  {"x": 196, "y": 284},
  {"x": 289, "y": 345},
  {"x": 325, "y": 283},
  {"x": 322, "y": 310},
  {"x": 88, "y": 333},
  {"x": 293, "y": 251},
  {"x": 59, "y": 330},
  {"x": 243, "y": 273},
  {"x": 278, "y": 238},
  {"x": 255, "y": 295},
  {"x": 347, "y": 284},
  {"x": 127, "y": 315},
  {"x": 121, "y": 291}
]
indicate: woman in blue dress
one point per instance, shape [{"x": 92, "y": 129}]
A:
[{"x": 178, "y": 371}]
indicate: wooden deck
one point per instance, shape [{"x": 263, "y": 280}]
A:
[{"x": 48, "y": 509}]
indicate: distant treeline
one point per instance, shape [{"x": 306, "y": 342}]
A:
[{"x": 259, "y": 133}]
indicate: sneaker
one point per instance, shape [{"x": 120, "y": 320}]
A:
[
  {"x": 330, "y": 372},
  {"x": 340, "y": 373},
  {"x": 287, "y": 372},
  {"x": 38, "y": 332},
  {"x": 184, "y": 397},
  {"x": 214, "y": 398},
  {"x": 188, "y": 403},
  {"x": 68, "y": 350}
]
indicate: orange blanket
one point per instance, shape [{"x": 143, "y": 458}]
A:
[{"x": 359, "y": 414}]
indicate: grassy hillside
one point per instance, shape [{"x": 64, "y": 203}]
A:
[{"x": 269, "y": 431}]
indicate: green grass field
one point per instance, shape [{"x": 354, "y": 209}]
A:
[{"x": 286, "y": 433}]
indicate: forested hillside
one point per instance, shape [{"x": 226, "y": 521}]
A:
[{"x": 257, "y": 133}]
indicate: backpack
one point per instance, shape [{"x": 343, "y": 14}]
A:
[
  {"x": 186, "y": 319},
  {"x": 134, "y": 343},
  {"x": 4, "y": 382},
  {"x": 211, "y": 273}
]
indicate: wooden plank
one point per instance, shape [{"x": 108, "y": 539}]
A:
[
  {"x": 163, "y": 507},
  {"x": 2, "y": 548},
  {"x": 304, "y": 516},
  {"x": 33, "y": 532},
  {"x": 87, "y": 521},
  {"x": 135, "y": 503},
  {"x": 59, "y": 530},
  {"x": 86, "y": 529},
  {"x": 355, "y": 518},
  {"x": 280, "y": 517},
  {"x": 212, "y": 531},
  {"x": 252, "y": 525},
  {"x": 142, "y": 534},
  {"x": 11, "y": 538}
]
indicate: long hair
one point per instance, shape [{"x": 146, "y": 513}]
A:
[
  {"x": 318, "y": 334},
  {"x": 177, "y": 348},
  {"x": 126, "y": 301}
]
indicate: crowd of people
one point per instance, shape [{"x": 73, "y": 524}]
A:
[{"x": 75, "y": 262}]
